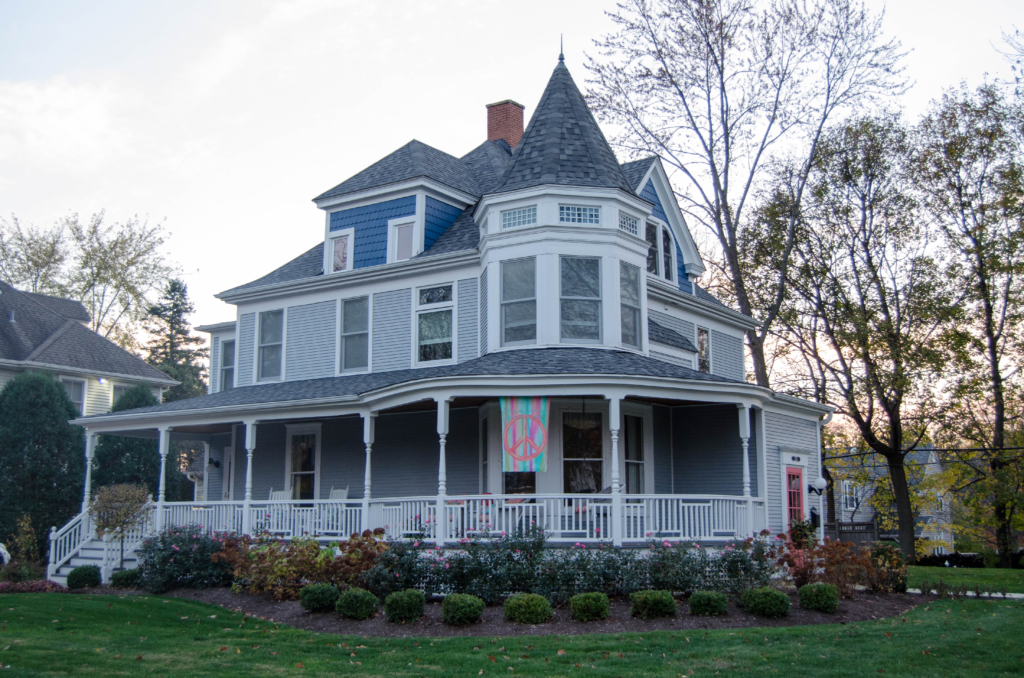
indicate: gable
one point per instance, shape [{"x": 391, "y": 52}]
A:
[
  {"x": 370, "y": 223},
  {"x": 651, "y": 195}
]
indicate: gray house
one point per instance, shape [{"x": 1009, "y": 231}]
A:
[{"x": 473, "y": 344}]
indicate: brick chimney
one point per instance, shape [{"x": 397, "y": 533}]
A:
[{"x": 505, "y": 121}]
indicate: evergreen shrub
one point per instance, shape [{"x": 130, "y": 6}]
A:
[
  {"x": 126, "y": 579},
  {"x": 766, "y": 602},
  {"x": 528, "y": 608},
  {"x": 820, "y": 597},
  {"x": 461, "y": 609},
  {"x": 84, "y": 577},
  {"x": 404, "y": 606},
  {"x": 586, "y": 607},
  {"x": 356, "y": 603},
  {"x": 708, "y": 603},
  {"x": 651, "y": 604},
  {"x": 318, "y": 597}
]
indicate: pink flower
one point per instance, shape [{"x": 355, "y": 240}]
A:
[
  {"x": 667, "y": 544},
  {"x": 175, "y": 547},
  {"x": 446, "y": 566},
  {"x": 503, "y": 533},
  {"x": 597, "y": 530},
  {"x": 415, "y": 543}
]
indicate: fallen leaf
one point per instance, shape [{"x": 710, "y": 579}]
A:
[
  {"x": 491, "y": 657},
  {"x": 117, "y": 656},
  {"x": 139, "y": 658},
  {"x": 481, "y": 672},
  {"x": 224, "y": 649},
  {"x": 561, "y": 652},
  {"x": 300, "y": 665},
  {"x": 273, "y": 653}
]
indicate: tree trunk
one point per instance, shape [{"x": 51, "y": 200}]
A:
[
  {"x": 830, "y": 498},
  {"x": 757, "y": 358},
  {"x": 904, "y": 511}
]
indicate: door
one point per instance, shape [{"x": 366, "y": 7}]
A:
[{"x": 795, "y": 493}]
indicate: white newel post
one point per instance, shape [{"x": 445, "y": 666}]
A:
[
  {"x": 369, "y": 428},
  {"x": 164, "y": 448},
  {"x": 90, "y": 451},
  {"x": 440, "y": 520},
  {"x": 250, "y": 447},
  {"x": 744, "y": 412},
  {"x": 614, "y": 419}
]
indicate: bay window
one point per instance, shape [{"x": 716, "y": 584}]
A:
[
  {"x": 629, "y": 294},
  {"x": 580, "y": 299}
]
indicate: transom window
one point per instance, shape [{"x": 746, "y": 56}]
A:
[
  {"x": 703, "y": 350},
  {"x": 227, "y": 365},
  {"x": 434, "y": 323},
  {"x": 521, "y": 217},
  {"x": 577, "y": 214},
  {"x": 355, "y": 334},
  {"x": 519, "y": 301},
  {"x": 661, "y": 252},
  {"x": 76, "y": 391},
  {"x": 271, "y": 342},
  {"x": 580, "y": 307},
  {"x": 629, "y": 223},
  {"x": 629, "y": 293}
]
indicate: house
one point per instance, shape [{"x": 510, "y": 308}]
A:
[
  {"x": 44, "y": 333},
  {"x": 512, "y": 337}
]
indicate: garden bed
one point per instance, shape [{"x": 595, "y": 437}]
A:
[{"x": 865, "y": 607}]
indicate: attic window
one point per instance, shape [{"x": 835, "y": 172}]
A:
[
  {"x": 341, "y": 253},
  {"x": 521, "y": 217},
  {"x": 629, "y": 223},
  {"x": 575, "y": 214}
]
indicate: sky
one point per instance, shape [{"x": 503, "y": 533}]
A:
[{"x": 222, "y": 119}]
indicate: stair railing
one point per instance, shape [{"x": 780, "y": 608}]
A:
[{"x": 66, "y": 542}]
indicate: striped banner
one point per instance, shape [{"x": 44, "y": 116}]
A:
[{"x": 524, "y": 434}]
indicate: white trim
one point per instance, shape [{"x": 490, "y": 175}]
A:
[
  {"x": 502, "y": 303},
  {"x": 419, "y": 309},
  {"x": 646, "y": 413},
  {"x": 350, "y": 235},
  {"x": 257, "y": 378},
  {"x": 659, "y": 177},
  {"x": 794, "y": 458},
  {"x": 292, "y": 430},
  {"x": 398, "y": 190},
  {"x": 601, "y": 300},
  {"x": 340, "y": 311}
]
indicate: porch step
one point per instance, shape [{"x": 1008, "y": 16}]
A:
[{"x": 90, "y": 554}]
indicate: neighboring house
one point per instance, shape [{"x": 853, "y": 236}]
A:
[
  {"x": 43, "y": 333},
  {"x": 535, "y": 267},
  {"x": 934, "y": 523}
]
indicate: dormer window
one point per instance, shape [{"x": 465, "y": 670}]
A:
[
  {"x": 526, "y": 216},
  {"x": 401, "y": 242},
  {"x": 341, "y": 251},
  {"x": 660, "y": 255},
  {"x": 578, "y": 214}
]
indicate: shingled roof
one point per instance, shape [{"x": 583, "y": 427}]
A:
[
  {"x": 636, "y": 171},
  {"x": 563, "y": 144}
]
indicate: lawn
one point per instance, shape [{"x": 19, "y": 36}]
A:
[
  {"x": 992, "y": 578},
  {"x": 63, "y": 634}
]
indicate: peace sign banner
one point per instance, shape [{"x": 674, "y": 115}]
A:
[{"x": 524, "y": 434}]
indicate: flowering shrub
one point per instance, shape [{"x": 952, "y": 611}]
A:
[
  {"x": 181, "y": 557},
  {"x": 832, "y": 562},
  {"x": 685, "y": 568},
  {"x": 801, "y": 533},
  {"x": 563, "y": 573},
  {"x": 33, "y": 586}
]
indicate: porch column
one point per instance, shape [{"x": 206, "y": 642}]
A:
[
  {"x": 250, "y": 447},
  {"x": 744, "y": 411},
  {"x": 206, "y": 473},
  {"x": 440, "y": 519},
  {"x": 90, "y": 451},
  {"x": 163, "y": 447},
  {"x": 369, "y": 427},
  {"x": 614, "y": 417}
]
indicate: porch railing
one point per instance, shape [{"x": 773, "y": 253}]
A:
[{"x": 66, "y": 542}]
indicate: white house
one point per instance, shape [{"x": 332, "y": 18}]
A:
[{"x": 363, "y": 383}]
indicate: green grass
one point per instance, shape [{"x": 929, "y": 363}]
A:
[
  {"x": 992, "y": 578},
  {"x": 63, "y": 634}
]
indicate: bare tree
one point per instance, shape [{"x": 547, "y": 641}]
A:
[
  {"x": 33, "y": 259},
  {"x": 720, "y": 87}
]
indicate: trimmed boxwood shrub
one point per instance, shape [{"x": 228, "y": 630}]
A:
[
  {"x": 126, "y": 579},
  {"x": 589, "y": 606},
  {"x": 461, "y": 609},
  {"x": 708, "y": 603},
  {"x": 318, "y": 597},
  {"x": 651, "y": 604},
  {"x": 820, "y": 597},
  {"x": 356, "y": 603},
  {"x": 766, "y": 602},
  {"x": 404, "y": 606},
  {"x": 84, "y": 577},
  {"x": 527, "y": 608}
]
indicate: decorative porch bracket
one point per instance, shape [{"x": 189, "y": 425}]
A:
[
  {"x": 614, "y": 422},
  {"x": 440, "y": 522},
  {"x": 250, "y": 447},
  {"x": 369, "y": 429}
]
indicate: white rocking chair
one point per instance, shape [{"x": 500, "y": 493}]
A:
[
  {"x": 278, "y": 496},
  {"x": 278, "y": 516},
  {"x": 339, "y": 495}
]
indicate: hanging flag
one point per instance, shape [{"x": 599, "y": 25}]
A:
[{"x": 524, "y": 434}]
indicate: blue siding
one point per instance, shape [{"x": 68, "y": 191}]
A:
[
  {"x": 371, "y": 228},
  {"x": 439, "y": 216},
  {"x": 684, "y": 283},
  {"x": 651, "y": 195}
]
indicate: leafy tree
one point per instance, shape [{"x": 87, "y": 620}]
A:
[
  {"x": 120, "y": 509},
  {"x": 174, "y": 350},
  {"x": 42, "y": 456},
  {"x": 721, "y": 89},
  {"x": 125, "y": 460},
  {"x": 34, "y": 259}
]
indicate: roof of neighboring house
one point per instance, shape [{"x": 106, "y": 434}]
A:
[
  {"x": 660, "y": 334},
  {"x": 541, "y": 361},
  {"x": 33, "y": 331},
  {"x": 66, "y": 308}
]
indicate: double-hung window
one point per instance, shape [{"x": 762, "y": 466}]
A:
[
  {"x": 580, "y": 307},
  {"x": 629, "y": 294},
  {"x": 118, "y": 391},
  {"x": 355, "y": 334},
  {"x": 578, "y": 214},
  {"x": 661, "y": 251},
  {"x": 703, "y": 350},
  {"x": 227, "y": 365},
  {"x": 401, "y": 241},
  {"x": 519, "y": 301},
  {"x": 849, "y": 498},
  {"x": 633, "y": 435},
  {"x": 271, "y": 343},
  {"x": 341, "y": 251},
  {"x": 76, "y": 391},
  {"x": 434, "y": 323}
]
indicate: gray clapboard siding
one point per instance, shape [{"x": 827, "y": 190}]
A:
[
  {"x": 483, "y": 313},
  {"x": 392, "y": 330},
  {"x": 311, "y": 341},
  {"x": 662, "y": 449},
  {"x": 97, "y": 397},
  {"x": 215, "y": 480},
  {"x": 215, "y": 365},
  {"x": 343, "y": 457},
  {"x": 683, "y": 327},
  {"x": 675, "y": 360},
  {"x": 707, "y": 453},
  {"x": 469, "y": 344},
  {"x": 727, "y": 356},
  {"x": 781, "y": 430},
  {"x": 244, "y": 352}
]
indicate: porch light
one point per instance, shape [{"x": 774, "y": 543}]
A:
[
  {"x": 818, "y": 486},
  {"x": 212, "y": 465}
]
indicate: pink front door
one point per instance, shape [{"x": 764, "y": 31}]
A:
[{"x": 795, "y": 493}]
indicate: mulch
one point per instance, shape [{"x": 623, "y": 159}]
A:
[{"x": 865, "y": 607}]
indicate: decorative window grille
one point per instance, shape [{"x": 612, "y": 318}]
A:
[
  {"x": 434, "y": 327},
  {"x": 522, "y": 217},
  {"x": 629, "y": 224},
  {"x": 574, "y": 214},
  {"x": 703, "y": 350}
]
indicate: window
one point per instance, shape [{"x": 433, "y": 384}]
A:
[
  {"x": 633, "y": 438},
  {"x": 666, "y": 254},
  {"x": 341, "y": 255},
  {"x": 355, "y": 334},
  {"x": 76, "y": 391},
  {"x": 118, "y": 391},
  {"x": 849, "y": 499},
  {"x": 401, "y": 245},
  {"x": 483, "y": 456},
  {"x": 522, "y": 217},
  {"x": 434, "y": 327},
  {"x": 521, "y": 482},
  {"x": 518, "y": 302},
  {"x": 580, "y": 299},
  {"x": 629, "y": 223},
  {"x": 271, "y": 341},
  {"x": 227, "y": 365},
  {"x": 795, "y": 493},
  {"x": 303, "y": 460},
  {"x": 652, "y": 251},
  {"x": 582, "y": 452},
  {"x": 629, "y": 294},
  {"x": 574, "y": 214},
  {"x": 703, "y": 351},
  {"x": 660, "y": 251}
]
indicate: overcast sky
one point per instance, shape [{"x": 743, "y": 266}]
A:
[{"x": 224, "y": 118}]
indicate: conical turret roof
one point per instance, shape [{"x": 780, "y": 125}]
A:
[{"x": 563, "y": 144}]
